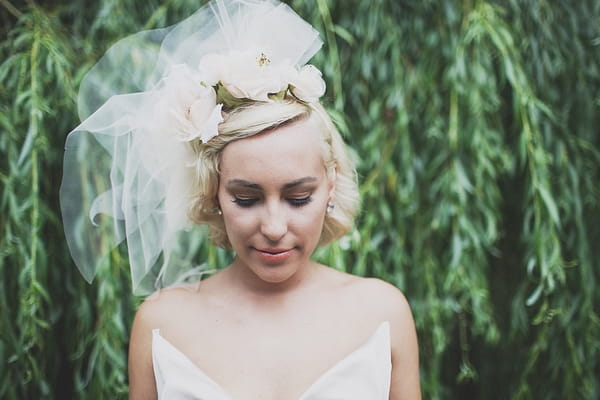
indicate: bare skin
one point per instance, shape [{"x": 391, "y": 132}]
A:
[{"x": 269, "y": 325}]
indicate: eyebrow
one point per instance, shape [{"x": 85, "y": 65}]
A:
[{"x": 289, "y": 185}]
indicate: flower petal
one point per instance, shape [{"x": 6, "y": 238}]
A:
[
  {"x": 201, "y": 109},
  {"x": 212, "y": 68},
  {"x": 211, "y": 126},
  {"x": 308, "y": 84}
]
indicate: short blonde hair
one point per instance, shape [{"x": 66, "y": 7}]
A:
[{"x": 258, "y": 117}]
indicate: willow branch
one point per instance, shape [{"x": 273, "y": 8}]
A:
[{"x": 11, "y": 9}]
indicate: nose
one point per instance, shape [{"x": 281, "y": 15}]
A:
[{"x": 274, "y": 223}]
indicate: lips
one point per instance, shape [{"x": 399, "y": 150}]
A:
[{"x": 274, "y": 256}]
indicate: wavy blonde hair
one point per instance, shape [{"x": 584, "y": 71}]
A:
[{"x": 258, "y": 117}]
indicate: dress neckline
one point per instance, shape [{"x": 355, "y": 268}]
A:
[{"x": 383, "y": 330}]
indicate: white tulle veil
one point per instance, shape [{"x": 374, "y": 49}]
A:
[{"x": 127, "y": 176}]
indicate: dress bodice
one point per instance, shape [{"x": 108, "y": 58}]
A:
[{"x": 363, "y": 374}]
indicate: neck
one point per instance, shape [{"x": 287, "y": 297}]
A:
[{"x": 244, "y": 279}]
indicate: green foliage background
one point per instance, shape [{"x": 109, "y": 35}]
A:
[{"x": 475, "y": 125}]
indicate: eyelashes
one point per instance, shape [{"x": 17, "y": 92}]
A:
[
  {"x": 244, "y": 202},
  {"x": 299, "y": 202},
  {"x": 293, "y": 201}
]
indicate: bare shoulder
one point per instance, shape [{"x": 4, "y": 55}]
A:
[
  {"x": 384, "y": 302},
  {"x": 165, "y": 305},
  {"x": 387, "y": 302},
  {"x": 382, "y": 290},
  {"x": 157, "y": 311},
  {"x": 375, "y": 296},
  {"x": 371, "y": 298}
]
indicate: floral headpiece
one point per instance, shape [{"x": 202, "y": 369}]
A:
[
  {"x": 128, "y": 167},
  {"x": 195, "y": 98}
]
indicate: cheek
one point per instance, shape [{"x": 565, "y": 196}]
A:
[
  {"x": 237, "y": 224},
  {"x": 310, "y": 221}
]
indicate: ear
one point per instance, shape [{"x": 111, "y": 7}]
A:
[
  {"x": 332, "y": 175},
  {"x": 217, "y": 204}
]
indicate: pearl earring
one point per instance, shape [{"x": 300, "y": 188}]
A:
[{"x": 330, "y": 207}]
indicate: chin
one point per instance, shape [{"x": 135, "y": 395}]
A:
[{"x": 275, "y": 274}]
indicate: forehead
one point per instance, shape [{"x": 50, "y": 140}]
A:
[{"x": 284, "y": 153}]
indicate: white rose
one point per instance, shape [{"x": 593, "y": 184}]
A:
[
  {"x": 255, "y": 87},
  {"x": 190, "y": 106},
  {"x": 308, "y": 84},
  {"x": 251, "y": 75},
  {"x": 204, "y": 116}
]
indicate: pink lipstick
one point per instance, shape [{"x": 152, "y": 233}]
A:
[{"x": 274, "y": 256}]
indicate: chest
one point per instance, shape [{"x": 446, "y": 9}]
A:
[
  {"x": 272, "y": 361},
  {"x": 292, "y": 366}
]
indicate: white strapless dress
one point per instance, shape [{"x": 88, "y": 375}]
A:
[{"x": 362, "y": 375}]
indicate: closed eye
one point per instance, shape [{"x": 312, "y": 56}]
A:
[
  {"x": 245, "y": 202},
  {"x": 299, "y": 202}
]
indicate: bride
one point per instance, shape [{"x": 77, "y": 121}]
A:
[{"x": 234, "y": 137}]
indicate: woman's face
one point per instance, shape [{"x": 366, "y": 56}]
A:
[{"x": 273, "y": 192}]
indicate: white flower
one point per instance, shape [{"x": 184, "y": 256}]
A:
[
  {"x": 247, "y": 74},
  {"x": 187, "y": 103},
  {"x": 252, "y": 74},
  {"x": 307, "y": 84},
  {"x": 190, "y": 105},
  {"x": 212, "y": 68},
  {"x": 205, "y": 117}
]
